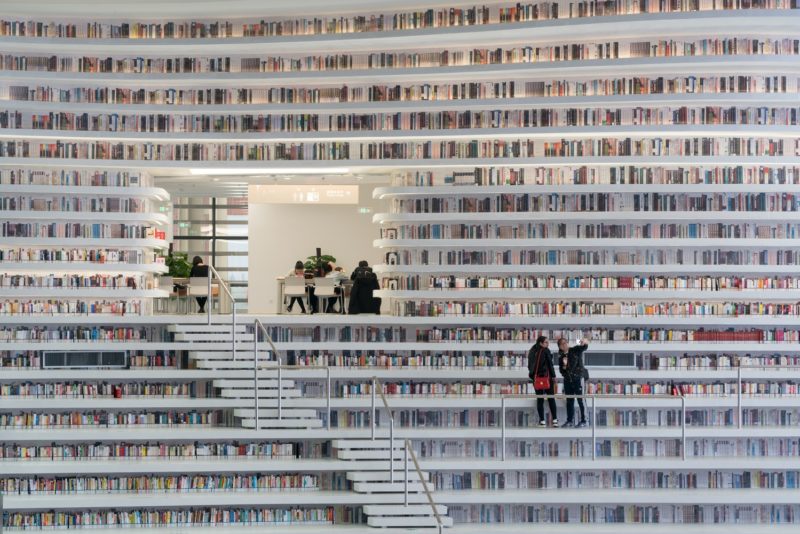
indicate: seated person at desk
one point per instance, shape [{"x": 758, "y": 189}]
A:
[
  {"x": 199, "y": 270},
  {"x": 338, "y": 275},
  {"x": 299, "y": 271},
  {"x": 364, "y": 283}
]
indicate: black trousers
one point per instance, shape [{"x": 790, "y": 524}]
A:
[
  {"x": 201, "y": 301},
  {"x": 574, "y": 387},
  {"x": 551, "y": 402},
  {"x": 299, "y": 300}
]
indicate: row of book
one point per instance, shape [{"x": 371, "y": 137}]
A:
[
  {"x": 30, "y": 359},
  {"x": 108, "y": 419},
  {"x": 615, "y": 479},
  {"x": 81, "y": 230},
  {"x": 82, "y": 333},
  {"x": 754, "y": 515},
  {"x": 74, "y": 306},
  {"x": 169, "y": 517},
  {"x": 400, "y": 121},
  {"x": 693, "y": 282},
  {"x": 599, "y": 258},
  {"x": 77, "y": 255},
  {"x": 489, "y": 308},
  {"x": 90, "y": 389},
  {"x": 82, "y": 177},
  {"x": 724, "y": 46},
  {"x": 337, "y": 333},
  {"x": 612, "y": 202},
  {"x": 371, "y": 22},
  {"x": 74, "y": 204},
  {"x": 409, "y": 92},
  {"x": 173, "y": 450},
  {"x": 162, "y": 484},
  {"x": 612, "y": 175},
  {"x": 608, "y": 335},
  {"x": 73, "y": 281},
  {"x": 592, "y": 231},
  {"x": 368, "y": 151}
]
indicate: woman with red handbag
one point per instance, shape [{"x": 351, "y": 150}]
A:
[{"x": 541, "y": 371}]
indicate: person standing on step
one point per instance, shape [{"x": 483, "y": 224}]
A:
[
  {"x": 541, "y": 371},
  {"x": 570, "y": 364},
  {"x": 199, "y": 270}
]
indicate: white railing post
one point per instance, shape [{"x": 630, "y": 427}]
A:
[
  {"x": 280, "y": 392},
  {"x": 210, "y": 297},
  {"x": 391, "y": 448},
  {"x": 372, "y": 413},
  {"x": 405, "y": 470},
  {"x": 255, "y": 375},
  {"x": 328, "y": 395},
  {"x": 503, "y": 428},
  {"x": 594, "y": 427},
  {"x": 739, "y": 397},
  {"x": 683, "y": 427}
]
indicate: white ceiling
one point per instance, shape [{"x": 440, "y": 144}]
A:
[{"x": 207, "y": 9}]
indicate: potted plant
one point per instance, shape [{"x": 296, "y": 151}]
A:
[
  {"x": 178, "y": 267},
  {"x": 315, "y": 264}
]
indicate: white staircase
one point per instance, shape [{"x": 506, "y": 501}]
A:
[
  {"x": 417, "y": 513},
  {"x": 214, "y": 351}
]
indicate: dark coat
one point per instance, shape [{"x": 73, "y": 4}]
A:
[
  {"x": 545, "y": 367},
  {"x": 571, "y": 364},
  {"x": 361, "y": 299},
  {"x": 199, "y": 271}
]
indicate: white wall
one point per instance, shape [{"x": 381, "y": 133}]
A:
[{"x": 281, "y": 234}]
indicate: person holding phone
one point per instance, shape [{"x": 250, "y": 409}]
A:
[{"x": 570, "y": 364}]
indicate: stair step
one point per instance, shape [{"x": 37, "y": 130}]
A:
[
  {"x": 385, "y": 476},
  {"x": 407, "y": 521},
  {"x": 247, "y": 383},
  {"x": 272, "y": 413},
  {"x": 282, "y": 423},
  {"x": 402, "y": 510},
  {"x": 368, "y": 455},
  {"x": 387, "y": 487},
  {"x": 238, "y": 364},
  {"x": 343, "y": 444},
  {"x": 286, "y": 393},
  {"x": 218, "y": 336},
  {"x": 205, "y": 328}
]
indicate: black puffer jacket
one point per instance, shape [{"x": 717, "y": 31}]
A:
[
  {"x": 545, "y": 359},
  {"x": 571, "y": 364}
]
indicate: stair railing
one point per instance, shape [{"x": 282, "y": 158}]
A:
[
  {"x": 259, "y": 326},
  {"x": 378, "y": 386},
  {"x": 211, "y": 273}
]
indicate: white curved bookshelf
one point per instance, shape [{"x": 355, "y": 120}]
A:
[
  {"x": 55, "y": 215},
  {"x": 34, "y": 267},
  {"x": 610, "y": 215},
  {"x": 73, "y": 241},
  {"x": 157, "y": 193},
  {"x": 71, "y": 293},
  {"x": 539, "y": 31},
  {"x": 594, "y": 294},
  {"x": 668, "y": 65},
  {"x": 487, "y": 104},
  {"x": 586, "y": 269},
  {"x": 588, "y": 132},
  {"x": 585, "y": 243}
]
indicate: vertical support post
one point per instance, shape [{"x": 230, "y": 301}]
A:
[
  {"x": 503, "y": 429},
  {"x": 405, "y": 470},
  {"x": 280, "y": 390},
  {"x": 391, "y": 448},
  {"x": 328, "y": 395},
  {"x": 255, "y": 375},
  {"x": 210, "y": 297},
  {"x": 233, "y": 328},
  {"x": 683, "y": 427},
  {"x": 739, "y": 397},
  {"x": 594, "y": 427},
  {"x": 372, "y": 413}
]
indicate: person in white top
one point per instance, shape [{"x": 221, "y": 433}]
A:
[
  {"x": 338, "y": 275},
  {"x": 299, "y": 271}
]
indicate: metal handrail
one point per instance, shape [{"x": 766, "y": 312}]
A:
[
  {"x": 408, "y": 449},
  {"x": 424, "y": 482},
  {"x": 211, "y": 273}
]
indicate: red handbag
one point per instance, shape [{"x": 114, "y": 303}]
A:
[{"x": 540, "y": 382}]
